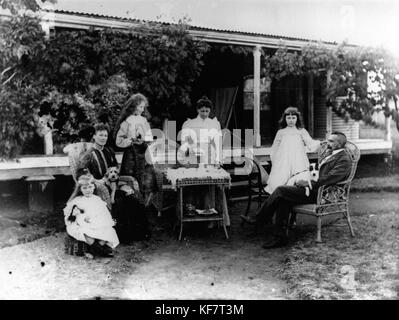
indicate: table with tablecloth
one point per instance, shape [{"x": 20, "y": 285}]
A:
[{"x": 204, "y": 181}]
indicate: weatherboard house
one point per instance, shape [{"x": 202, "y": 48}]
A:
[{"x": 243, "y": 98}]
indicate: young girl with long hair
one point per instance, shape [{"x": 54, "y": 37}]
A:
[
  {"x": 133, "y": 134},
  {"x": 289, "y": 149}
]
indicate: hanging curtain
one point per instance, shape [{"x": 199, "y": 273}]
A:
[{"x": 224, "y": 99}]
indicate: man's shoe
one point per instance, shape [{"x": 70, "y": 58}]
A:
[
  {"x": 248, "y": 219},
  {"x": 95, "y": 249},
  {"x": 275, "y": 242},
  {"x": 108, "y": 251}
]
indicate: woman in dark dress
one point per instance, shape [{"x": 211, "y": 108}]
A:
[
  {"x": 99, "y": 158},
  {"x": 128, "y": 209}
]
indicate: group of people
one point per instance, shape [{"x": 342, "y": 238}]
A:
[
  {"x": 98, "y": 215},
  {"x": 100, "y": 218},
  {"x": 93, "y": 219},
  {"x": 289, "y": 160}
]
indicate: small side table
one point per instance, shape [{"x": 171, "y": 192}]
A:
[{"x": 222, "y": 214}]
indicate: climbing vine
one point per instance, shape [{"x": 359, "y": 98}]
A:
[
  {"x": 80, "y": 77},
  {"x": 350, "y": 72}
]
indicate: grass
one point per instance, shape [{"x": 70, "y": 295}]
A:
[
  {"x": 370, "y": 184},
  {"x": 361, "y": 268}
]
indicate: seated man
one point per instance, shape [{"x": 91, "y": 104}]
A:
[{"x": 334, "y": 168}]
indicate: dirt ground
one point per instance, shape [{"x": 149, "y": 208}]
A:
[{"x": 204, "y": 265}]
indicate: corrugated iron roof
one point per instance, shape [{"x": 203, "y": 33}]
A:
[{"x": 193, "y": 27}]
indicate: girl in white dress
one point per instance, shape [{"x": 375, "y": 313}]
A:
[
  {"x": 289, "y": 149},
  {"x": 88, "y": 219}
]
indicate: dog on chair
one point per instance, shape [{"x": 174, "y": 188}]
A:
[{"x": 111, "y": 179}]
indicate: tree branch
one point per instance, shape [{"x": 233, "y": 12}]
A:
[
  {"x": 9, "y": 79},
  {"x": 6, "y": 70}
]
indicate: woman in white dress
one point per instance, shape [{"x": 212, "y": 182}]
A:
[
  {"x": 88, "y": 219},
  {"x": 202, "y": 141},
  {"x": 202, "y": 136},
  {"x": 289, "y": 149}
]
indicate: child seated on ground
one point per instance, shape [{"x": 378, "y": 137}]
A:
[{"x": 88, "y": 219}]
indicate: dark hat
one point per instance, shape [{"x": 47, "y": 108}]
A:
[{"x": 204, "y": 102}]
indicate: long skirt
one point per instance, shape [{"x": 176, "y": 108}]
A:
[
  {"x": 131, "y": 217},
  {"x": 134, "y": 164}
]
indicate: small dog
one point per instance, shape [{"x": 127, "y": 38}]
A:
[
  {"x": 111, "y": 179},
  {"x": 314, "y": 173},
  {"x": 308, "y": 175}
]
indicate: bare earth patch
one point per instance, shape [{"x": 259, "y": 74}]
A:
[{"x": 167, "y": 269}]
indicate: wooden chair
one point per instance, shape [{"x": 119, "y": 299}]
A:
[
  {"x": 74, "y": 151},
  {"x": 333, "y": 199},
  {"x": 257, "y": 181}
]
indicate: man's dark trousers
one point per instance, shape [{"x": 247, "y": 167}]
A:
[{"x": 281, "y": 202}]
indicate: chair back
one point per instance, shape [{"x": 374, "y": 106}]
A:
[
  {"x": 350, "y": 148},
  {"x": 354, "y": 153},
  {"x": 74, "y": 151},
  {"x": 262, "y": 173}
]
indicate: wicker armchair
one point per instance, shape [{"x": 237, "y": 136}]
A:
[
  {"x": 74, "y": 151},
  {"x": 333, "y": 199}
]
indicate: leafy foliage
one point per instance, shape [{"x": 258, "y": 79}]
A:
[
  {"x": 161, "y": 62},
  {"x": 15, "y": 6},
  {"x": 17, "y": 116},
  {"x": 82, "y": 77},
  {"x": 349, "y": 70},
  {"x": 21, "y": 42}
]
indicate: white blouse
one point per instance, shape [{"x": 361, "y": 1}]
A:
[{"x": 202, "y": 131}]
